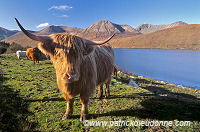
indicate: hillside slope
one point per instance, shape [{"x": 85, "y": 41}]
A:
[
  {"x": 180, "y": 37},
  {"x": 20, "y": 38},
  {"x": 4, "y": 33}
]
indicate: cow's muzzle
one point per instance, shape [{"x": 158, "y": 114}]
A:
[{"x": 70, "y": 77}]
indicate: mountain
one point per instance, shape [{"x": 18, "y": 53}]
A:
[
  {"x": 179, "y": 37},
  {"x": 104, "y": 28},
  {"x": 6, "y": 33},
  {"x": 20, "y": 38},
  {"x": 59, "y": 29},
  {"x": 149, "y": 28}
]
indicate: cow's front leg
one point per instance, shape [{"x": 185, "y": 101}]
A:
[
  {"x": 84, "y": 109},
  {"x": 69, "y": 110}
]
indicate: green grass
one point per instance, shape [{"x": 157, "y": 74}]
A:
[{"x": 30, "y": 101}]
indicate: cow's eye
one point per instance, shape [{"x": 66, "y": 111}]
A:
[{"x": 72, "y": 52}]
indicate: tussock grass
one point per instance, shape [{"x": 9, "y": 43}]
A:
[{"x": 30, "y": 101}]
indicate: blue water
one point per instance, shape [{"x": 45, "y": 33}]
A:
[{"x": 173, "y": 66}]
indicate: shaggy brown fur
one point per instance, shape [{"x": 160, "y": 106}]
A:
[
  {"x": 79, "y": 66},
  {"x": 33, "y": 54}
]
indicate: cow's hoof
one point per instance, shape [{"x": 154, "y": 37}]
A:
[
  {"x": 99, "y": 96},
  {"x": 83, "y": 117},
  {"x": 107, "y": 96},
  {"x": 65, "y": 116}
]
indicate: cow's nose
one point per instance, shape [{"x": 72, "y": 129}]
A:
[{"x": 72, "y": 76}]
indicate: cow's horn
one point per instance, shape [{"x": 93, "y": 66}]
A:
[
  {"x": 103, "y": 42},
  {"x": 30, "y": 35}
]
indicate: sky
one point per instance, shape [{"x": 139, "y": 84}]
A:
[{"x": 38, "y": 14}]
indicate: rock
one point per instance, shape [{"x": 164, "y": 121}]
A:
[
  {"x": 158, "y": 92},
  {"x": 132, "y": 83}
]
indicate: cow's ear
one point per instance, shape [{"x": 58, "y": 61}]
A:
[{"x": 88, "y": 49}]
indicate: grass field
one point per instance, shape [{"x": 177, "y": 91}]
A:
[{"x": 31, "y": 101}]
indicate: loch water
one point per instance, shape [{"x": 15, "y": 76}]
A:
[{"x": 181, "y": 67}]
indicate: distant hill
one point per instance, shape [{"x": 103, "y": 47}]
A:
[
  {"x": 149, "y": 28},
  {"x": 104, "y": 28},
  {"x": 4, "y": 33},
  {"x": 20, "y": 38},
  {"x": 59, "y": 29},
  {"x": 179, "y": 37}
]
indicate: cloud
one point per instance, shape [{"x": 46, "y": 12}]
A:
[
  {"x": 62, "y": 7},
  {"x": 64, "y": 16},
  {"x": 42, "y": 25}
]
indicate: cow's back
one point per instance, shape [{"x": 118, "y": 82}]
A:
[{"x": 104, "y": 57}]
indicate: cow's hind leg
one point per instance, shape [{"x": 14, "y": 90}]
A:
[
  {"x": 84, "y": 109},
  {"x": 100, "y": 92},
  {"x": 33, "y": 60},
  {"x": 69, "y": 110},
  {"x": 107, "y": 91}
]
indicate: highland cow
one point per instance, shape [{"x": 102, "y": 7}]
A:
[
  {"x": 33, "y": 54},
  {"x": 81, "y": 65}
]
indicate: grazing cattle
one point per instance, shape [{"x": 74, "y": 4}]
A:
[
  {"x": 3, "y": 50},
  {"x": 80, "y": 65},
  {"x": 33, "y": 54},
  {"x": 20, "y": 54},
  {"x": 115, "y": 71}
]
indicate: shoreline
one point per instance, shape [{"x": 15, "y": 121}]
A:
[
  {"x": 178, "y": 49},
  {"x": 136, "y": 78},
  {"x": 165, "y": 82}
]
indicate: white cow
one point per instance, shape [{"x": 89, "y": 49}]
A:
[{"x": 20, "y": 53}]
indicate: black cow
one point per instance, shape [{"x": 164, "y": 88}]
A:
[{"x": 2, "y": 50}]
